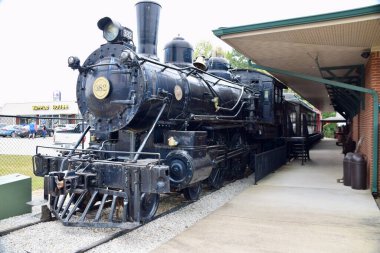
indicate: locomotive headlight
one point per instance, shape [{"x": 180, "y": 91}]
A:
[
  {"x": 111, "y": 32},
  {"x": 111, "y": 29},
  {"x": 73, "y": 62}
]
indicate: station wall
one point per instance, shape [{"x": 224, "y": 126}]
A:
[{"x": 363, "y": 122}]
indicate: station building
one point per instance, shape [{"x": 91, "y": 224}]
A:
[
  {"x": 65, "y": 112},
  {"x": 332, "y": 60}
]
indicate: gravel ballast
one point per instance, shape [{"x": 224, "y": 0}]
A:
[{"x": 54, "y": 237}]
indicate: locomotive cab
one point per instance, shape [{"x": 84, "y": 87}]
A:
[{"x": 269, "y": 105}]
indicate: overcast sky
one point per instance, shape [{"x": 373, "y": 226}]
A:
[{"x": 38, "y": 36}]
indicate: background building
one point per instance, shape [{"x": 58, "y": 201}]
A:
[{"x": 65, "y": 112}]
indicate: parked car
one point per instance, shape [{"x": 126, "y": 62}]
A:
[
  {"x": 71, "y": 126},
  {"x": 22, "y": 131},
  {"x": 64, "y": 127},
  {"x": 68, "y": 138},
  {"x": 59, "y": 127},
  {"x": 49, "y": 131},
  {"x": 9, "y": 130}
]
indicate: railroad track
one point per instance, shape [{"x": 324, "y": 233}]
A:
[
  {"x": 169, "y": 203},
  {"x": 13, "y": 229},
  {"x": 122, "y": 232},
  {"x": 126, "y": 231},
  {"x": 176, "y": 202},
  {"x": 28, "y": 224}
]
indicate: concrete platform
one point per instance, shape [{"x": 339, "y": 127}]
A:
[{"x": 297, "y": 209}]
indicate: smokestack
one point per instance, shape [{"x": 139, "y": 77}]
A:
[{"x": 148, "y": 15}]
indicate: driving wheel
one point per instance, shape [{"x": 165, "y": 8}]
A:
[
  {"x": 216, "y": 178},
  {"x": 192, "y": 193},
  {"x": 149, "y": 206}
]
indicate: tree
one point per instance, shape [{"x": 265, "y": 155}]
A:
[
  {"x": 203, "y": 48},
  {"x": 328, "y": 114},
  {"x": 329, "y": 128},
  {"x": 237, "y": 60},
  {"x": 218, "y": 52}
]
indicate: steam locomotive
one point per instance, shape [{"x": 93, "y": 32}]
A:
[{"x": 155, "y": 127}]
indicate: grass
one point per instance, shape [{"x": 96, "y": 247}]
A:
[{"x": 22, "y": 164}]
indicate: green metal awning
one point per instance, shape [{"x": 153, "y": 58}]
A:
[{"x": 333, "y": 46}]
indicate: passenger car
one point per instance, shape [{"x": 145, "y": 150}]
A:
[
  {"x": 10, "y": 130},
  {"x": 64, "y": 127},
  {"x": 68, "y": 138},
  {"x": 22, "y": 131}
]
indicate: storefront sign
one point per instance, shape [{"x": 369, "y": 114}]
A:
[
  {"x": 60, "y": 107},
  {"x": 47, "y": 107},
  {"x": 40, "y": 107}
]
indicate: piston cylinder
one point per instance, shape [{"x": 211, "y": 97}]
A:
[{"x": 185, "y": 169}]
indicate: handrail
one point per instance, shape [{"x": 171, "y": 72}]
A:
[{"x": 88, "y": 151}]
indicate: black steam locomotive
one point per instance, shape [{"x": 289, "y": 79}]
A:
[{"x": 155, "y": 128}]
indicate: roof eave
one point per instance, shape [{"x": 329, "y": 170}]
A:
[{"x": 374, "y": 9}]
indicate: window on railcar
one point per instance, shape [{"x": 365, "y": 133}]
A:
[
  {"x": 293, "y": 120},
  {"x": 268, "y": 102},
  {"x": 266, "y": 95},
  {"x": 312, "y": 122},
  {"x": 277, "y": 95}
]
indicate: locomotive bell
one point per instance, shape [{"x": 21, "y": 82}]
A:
[{"x": 200, "y": 63}]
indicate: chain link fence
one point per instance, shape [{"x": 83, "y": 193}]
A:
[{"x": 19, "y": 137}]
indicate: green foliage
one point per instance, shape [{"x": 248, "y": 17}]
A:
[
  {"x": 329, "y": 130},
  {"x": 237, "y": 60},
  {"x": 218, "y": 51},
  {"x": 203, "y": 48},
  {"x": 328, "y": 114}
]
